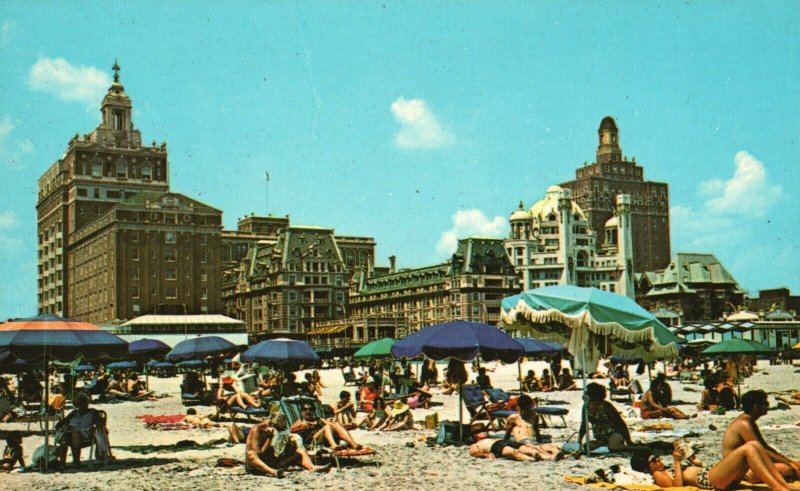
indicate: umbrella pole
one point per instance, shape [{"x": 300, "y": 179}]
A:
[
  {"x": 519, "y": 372},
  {"x": 460, "y": 419},
  {"x": 585, "y": 401},
  {"x": 46, "y": 412}
]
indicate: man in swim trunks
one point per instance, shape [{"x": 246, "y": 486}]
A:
[
  {"x": 523, "y": 428},
  {"x": 270, "y": 448},
  {"x": 493, "y": 448},
  {"x": 744, "y": 428}
]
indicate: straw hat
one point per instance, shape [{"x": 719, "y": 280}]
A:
[{"x": 399, "y": 408}]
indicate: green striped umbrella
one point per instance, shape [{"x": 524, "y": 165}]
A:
[{"x": 737, "y": 346}]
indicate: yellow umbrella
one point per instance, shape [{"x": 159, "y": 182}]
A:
[{"x": 796, "y": 346}]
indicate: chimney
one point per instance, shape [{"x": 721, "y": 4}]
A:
[{"x": 392, "y": 260}]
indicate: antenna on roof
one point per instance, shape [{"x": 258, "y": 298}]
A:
[{"x": 266, "y": 193}]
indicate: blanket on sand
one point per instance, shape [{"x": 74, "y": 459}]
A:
[{"x": 181, "y": 446}]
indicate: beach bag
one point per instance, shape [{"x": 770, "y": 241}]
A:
[
  {"x": 432, "y": 421},
  {"x": 102, "y": 449},
  {"x": 38, "y": 458},
  {"x": 448, "y": 433}
]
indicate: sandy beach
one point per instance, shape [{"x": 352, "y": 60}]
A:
[{"x": 403, "y": 460}]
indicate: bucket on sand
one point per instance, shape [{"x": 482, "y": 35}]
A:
[{"x": 432, "y": 421}]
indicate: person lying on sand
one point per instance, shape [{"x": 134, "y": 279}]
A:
[
  {"x": 199, "y": 420},
  {"x": 494, "y": 448},
  {"x": 744, "y": 429},
  {"x": 725, "y": 474},
  {"x": 313, "y": 429},
  {"x": 270, "y": 448},
  {"x": 523, "y": 428},
  {"x": 793, "y": 398}
]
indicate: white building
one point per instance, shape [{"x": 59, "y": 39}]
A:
[{"x": 552, "y": 244}]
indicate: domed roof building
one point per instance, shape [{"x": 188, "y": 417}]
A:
[{"x": 553, "y": 244}]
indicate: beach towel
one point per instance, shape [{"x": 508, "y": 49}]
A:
[
  {"x": 652, "y": 487},
  {"x": 177, "y": 447},
  {"x": 161, "y": 418}
]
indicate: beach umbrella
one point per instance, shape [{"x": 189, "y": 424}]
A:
[
  {"x": 734, "y": 347},
  {"x": 535, "y": 347},
  {"x": 191, "y": 364},
  {"x": 463, "y": 340},
  {"x": 589, "y": 320},
  {"x": 122, "y": 365},
  {"x": 84, "y": 368},
  {"x": 288, "y": 354},
  {"x": 148, "y": 347},
  {"x": 50, "y": 337},
  {"x": 200, "y": 348},
  {"x": 380, "y": 348},
  {"x": 796, "y": 346}
]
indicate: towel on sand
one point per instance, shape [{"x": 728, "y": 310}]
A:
[
  {"x": 652, "y": 487},
  {"x": 161, "y": 418},
  {"x": 177, "y": 447}
]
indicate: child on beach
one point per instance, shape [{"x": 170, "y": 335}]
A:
[{"x": 345, "y": 411}]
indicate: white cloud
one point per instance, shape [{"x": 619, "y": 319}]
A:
[
  {"x": 419, "y": 127},
  {"x": 468, "y": 223},
  {"x": 5, "y": 33},
  {"x": 11, "y": 152},
  {"x": 8, "y": 219},
  {"x": 748, "y": 193},
  {"x": 67, "y": 82}
]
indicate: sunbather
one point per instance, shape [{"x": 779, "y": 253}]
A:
[
  {"x": 546, "y": 382},
  {"x": 399, "y": 419},
  {"x": 136, "y": 388},
  {"x": 420, "y": 398},
  {"x": 709, "y": 400},
  {"x": 531, "y": 382},
  {"x": 376, "y": 416},
  {"x": 316, "y": 385},
  {"x": 653, "y": 406},
  {"x": 78, "y": 428},
  {"x": 744, "y": 429},
  {"x": 345, "y": 410},
  {"x": 483, "y": 380},
  {"x": 200, "y": 420},
  {"x": 7, "y": 400},
  {"x": 725, "y": 474},
  {"x": 270, "y": 448},
  {"x": 608, "y": 427},
  {"x": 566, "y": 382},
  {"x": 493, "y": 448},
  {"x": 313, "y": 429},
  {"x": 13, "y": 452},
  {"x": 231, "y": 396},
  {"x": 793, "y": 398},
  {"x": 524, "y": 428}
]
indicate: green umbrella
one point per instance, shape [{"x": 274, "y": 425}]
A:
[
  {"x": 737, "y": 346},
  {"x": 382, "y": 348}
]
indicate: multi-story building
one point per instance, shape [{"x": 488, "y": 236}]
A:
[
  {"x": 106, "y": 189},
  {"x": 284, "y": 288},
  {"x": 469, "y": 286},
  {"x": 152, "y": 253},
  {"x": 696, "y": 286},
  {"x": 552, "y": 243},
  {"x": 596, "y": 185},
  {"x": 775, "y": 299}
]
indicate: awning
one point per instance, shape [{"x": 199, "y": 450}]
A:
[{"x": 318, "y": 331}]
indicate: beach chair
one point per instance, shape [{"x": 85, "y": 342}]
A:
[
  {"x": 259, "y": 413},
  {"x": 290, "y": 406},
  {"x": 349, "y": 378},
  {"x": 621, "y": 393},
  {"x": 498, "y": 396},
  {"x": 479, "y": 408}
]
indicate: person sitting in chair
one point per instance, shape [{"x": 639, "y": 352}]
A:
[
  {"x": 77, "y": 430},
  {"x": 531, "y": 382},
  {"x": 483, "y": 380},
  {"x": 229, "y": 394},
  {"x": 566, "y": 382},
  {"x": 546, "y": 381},
  {"x": 317, "y": 430},
  {"x": 270, "y": 448}
]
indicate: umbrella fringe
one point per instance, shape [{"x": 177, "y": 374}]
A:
[{"x": 584, "y": 320}]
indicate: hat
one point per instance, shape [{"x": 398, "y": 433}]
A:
[{"x": 399, "y": 408}]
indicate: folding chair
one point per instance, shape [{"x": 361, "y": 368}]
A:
[{"x": 478, "y": 408}]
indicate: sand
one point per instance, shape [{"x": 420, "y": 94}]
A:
[{"x": 403, "y": 460}]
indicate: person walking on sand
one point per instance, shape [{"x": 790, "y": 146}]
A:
[{"x": 744, "y": 429}]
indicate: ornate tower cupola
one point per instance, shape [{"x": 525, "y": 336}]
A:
[
  {"x": 608, "y": 149},
  {"x": 116, "y": 126}
]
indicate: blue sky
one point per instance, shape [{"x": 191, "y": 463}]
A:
[{"x": 419, "y": 122}]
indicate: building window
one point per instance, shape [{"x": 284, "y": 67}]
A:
[
  {"x": 136, "y": 308},
  {"x": 97, "y": 170},
  {"x": 147, "y": 172},
  {"x": 169, "y": 237},
  {"x": 82, "y": 192},
  {"x": 122, "y": 170},
  {"x": 112, "y": 194},
  {"x": 135, "y": 291},
  {"x": 203, "y": 256},
  {"x": 135, "y": 253},
  {"x": 171, "y": 273},
  {"x": 170, "y": 255},
  {"x": 171, "y": 292},
  {"x": 203, "y": 275},
  {"x": 135, "y": 273}
]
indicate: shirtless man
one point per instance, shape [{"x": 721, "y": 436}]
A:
[
  {"x": 523, "y": 428},
  {"x": 270, "y": 447},
  {"x": 313, "y": 429},
  {"x": 493, "y": 448},
  {"x": 744, "y": 429}
]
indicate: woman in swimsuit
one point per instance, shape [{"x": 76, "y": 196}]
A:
[
  {"x": 608, "y": 427},
  {"x": 723, "y": 475}
]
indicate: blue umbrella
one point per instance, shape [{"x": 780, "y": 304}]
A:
[
  {"x": 285, "y": 353},
  {"x": 536, "y": 347},
  {"x": 460, "y": 339},
  {"x": 161, "y": 364},
  {"x": 199, "y": 348},
  {"x": 84, "y": 368},
  {"x": 122, "y": 365},
  {"x": 191, "y": 364},
  {"x": 147, "y": 347}
]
